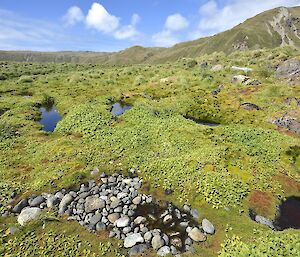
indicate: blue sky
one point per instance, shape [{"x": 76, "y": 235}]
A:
[{"x": 112, "y": 25}]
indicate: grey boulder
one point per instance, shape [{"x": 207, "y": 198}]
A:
[
  {"x": 37, "y": 201},
  {"x": 264, "y": 221},
  {"x": 22, "y": 204},
  {"x": 133, "y": 239},
  {"x": 93, "y": 203},
  {"x": 165, "y": 250},
  {"x": 137, "y": 249},
  {"x": 197, "y": 235},
  {"x": 122, "y": 222},
  {"x": 157, "y": 242},
  {"x": 208, "y": 227},
  {"x": 66, "y": 200},
  {"x": 28, "y": 214}
]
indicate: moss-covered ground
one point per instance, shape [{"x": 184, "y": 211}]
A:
[{"x": 245, "y": 162}]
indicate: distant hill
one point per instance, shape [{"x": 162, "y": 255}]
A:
[{"x": 270, "y": 29}]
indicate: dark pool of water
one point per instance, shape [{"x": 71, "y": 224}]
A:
[
  {"x": 153, "y": 211},
  {"x": 50, "y": 117},
  {"x": 202, "y": 122},
  {"x": 119, "y": 108},
  {"x": 289, "y": 214}
]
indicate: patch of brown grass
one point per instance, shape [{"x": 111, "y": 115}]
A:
[
  {"x": 262, "y": 202},
  {"x": 290, "y": 186}
]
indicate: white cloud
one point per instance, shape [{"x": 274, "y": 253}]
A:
[
  {"x": 126, "y": 32},
  {"x": 129, "y": 31},
  {"x": 165, "y": 38},
  {"x": 99, "y": 18},
  {"x": 135, "y": 19},
  {"x": 176, "y": 22},
  {"x": 73, "y": 16},
  {"x": 168, "y": 36},
  {"x": 216, "y": 18}
]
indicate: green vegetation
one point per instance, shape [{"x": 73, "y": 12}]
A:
[
  {"x": 270, "y": 244},
  {"x": 221, "y": 170}
]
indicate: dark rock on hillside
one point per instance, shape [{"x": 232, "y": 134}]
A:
[
  {"x": 289, "y": 123},
  {"x": 22, "y": 204},
  {"x": 290, "y": 69},
  {"x": 249, "y": 106},
  {"x": 35, "y": 202},
  {"x": 217, "y": 90}
]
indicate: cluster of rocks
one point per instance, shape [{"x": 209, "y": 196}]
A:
[
  {"x": 290, "y": 70},
  {"x": 288, "y": 122},
  {"x": 114, "y": 204},
  {"x": 245, "y": 80}
]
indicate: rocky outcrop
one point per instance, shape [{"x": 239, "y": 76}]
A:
[
  {"x": 288, "y": 122},
  {"x": 289, "y": 69},
  {"x": 283, "y": 25}
]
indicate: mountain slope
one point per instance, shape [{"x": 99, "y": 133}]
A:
[{"x": 270, "y": 29}]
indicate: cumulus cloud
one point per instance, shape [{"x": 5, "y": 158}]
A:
[
  {"x": 215, "y": 18},
  {"x": 100, "y": 19},
  {"x": 168, "y": 36},
  {"x": 73, "y": 16},
  {"x": 129, "y": 31},
  {"x": 176, "y": 22},
  {"x": 165, "y": 38},
  {"x": 135, "y": 19}
]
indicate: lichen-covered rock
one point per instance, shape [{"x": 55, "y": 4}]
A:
[
  {"x": 93, "y": 203},
  {"x": 29, "y": 214},
  {"x": 66, "y": 200},
  {"x": 197, "y": 235},
  {"x": 289, "y": 69}
]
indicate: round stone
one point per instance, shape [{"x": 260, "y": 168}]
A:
[
  {"x": 197, "y": 235},
  {"x": 157, "y": 242},
  {"x": 122, "y": 222},
  {"x": 163, "y": 251},
  {"x": 133, "y": 239},
  {"x": 28, "y": 214},
  {"x": 208, "y": 227}
]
